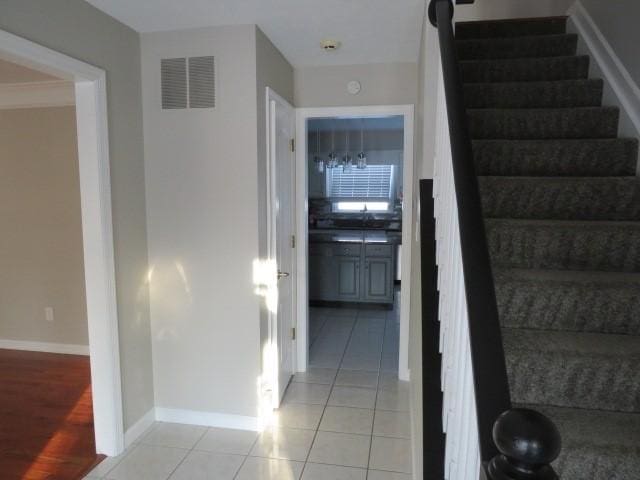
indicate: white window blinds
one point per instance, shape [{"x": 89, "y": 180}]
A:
[{"x": 372, "y": 182}]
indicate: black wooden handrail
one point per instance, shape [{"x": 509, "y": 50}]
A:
[{"x": 501, "y": 429}]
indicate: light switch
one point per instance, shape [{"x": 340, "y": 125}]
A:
[{"x": 48, "y": 314}]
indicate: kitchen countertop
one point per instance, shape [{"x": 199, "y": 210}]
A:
[{"x": 354, "y": 236}]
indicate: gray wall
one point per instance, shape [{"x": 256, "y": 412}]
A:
[
  {"x": 495, "y": 9},
  {"x": 77, "y": 29},
  {"x": 41, "y": 245},
  {"x": 382, "y": 84}
]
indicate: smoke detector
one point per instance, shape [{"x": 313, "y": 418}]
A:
[{"x": 329, "y": 45}]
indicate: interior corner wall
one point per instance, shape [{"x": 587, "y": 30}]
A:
[
  {"x": 273, "y": 71},
  {"x": 40, "y": 217},
  {"x": 202, "y": 214},
  {"x": 77, "y": 29},
  {"x": 382, "y": 84}
]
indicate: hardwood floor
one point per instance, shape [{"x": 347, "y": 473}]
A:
[{"x": 46, "y": 416}]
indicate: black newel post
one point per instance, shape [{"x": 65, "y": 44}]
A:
[{"x": 528, "y": 442}]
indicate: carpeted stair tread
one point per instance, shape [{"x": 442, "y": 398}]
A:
[
  {"x": 559, "y": 157},
  {"x": 569, "y": 369},
  {"x": 561, "y": 198},
  {"x": 517, "y": 47},
  {"x": 578, "y": 301},
  {"x": 511, "y": 27},
  {"x": 596, "y": 445},
  {"x": 564, "y": 244},
  {"x": 557, "y": 94},
  {"x": 543, "y": 123},
  {"x": 525, "y": 69}
]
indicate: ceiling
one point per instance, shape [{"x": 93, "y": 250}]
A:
[
  {"x": 371, "y": 31},
  {"x": 14, "y": 73}
]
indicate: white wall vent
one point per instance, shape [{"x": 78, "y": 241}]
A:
[
  {"x": 202, "y": 82},
  {"x": 188, "y": 78},
  {"x": 173, "y": 78}
]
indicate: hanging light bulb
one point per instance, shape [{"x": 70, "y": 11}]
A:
[
  {"x": 319, "y": 161},
  {"x": 362, "y": 157},
  {"x": 333, "y": 158},
  {"x": 347, "y": 160}
]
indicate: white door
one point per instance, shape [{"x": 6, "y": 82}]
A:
[{"x": 282, "y": 182}]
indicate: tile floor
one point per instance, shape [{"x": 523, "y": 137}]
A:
[{"x": 346, "y": 418}]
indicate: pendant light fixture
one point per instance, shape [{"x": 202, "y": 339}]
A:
[
  {"x": 347, "y": 160},
  {"x": 319, "y": 161},
  {"x": 333, "y": 158},
  {"x": 362, "y": 157}
]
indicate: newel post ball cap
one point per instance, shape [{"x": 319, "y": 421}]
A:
[{"x": 527, "y": 437}]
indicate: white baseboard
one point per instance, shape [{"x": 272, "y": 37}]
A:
[
  {"x": 207, "y": 419},
  {"x": 45, "y": 347},
  {"x": 135, "y": 431},
  {"x": 624, "y": 89}
]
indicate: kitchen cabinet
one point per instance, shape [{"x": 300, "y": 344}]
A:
[{"x": 351, "y": 272}]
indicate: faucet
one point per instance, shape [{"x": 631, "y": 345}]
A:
[{"x": 364, "y": 215}]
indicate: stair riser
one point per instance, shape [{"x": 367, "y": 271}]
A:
[
  {"x": 523, "y": 70},
  {"x": 574, "y": 307},
  {"x": 561, "y": 198},
  {"x": 574, "y": 247},
  {"x": 520, "y": 47},
  {"x": 511, "y": 28},
  {"x": 573, "y": 379},
  {"x": 534, "y": 95},
  {"x": 580, "y": 158},
  {"x": 543, "y": 124}
]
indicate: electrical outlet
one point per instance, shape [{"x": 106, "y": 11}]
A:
[{"x": 48, "y": 314}]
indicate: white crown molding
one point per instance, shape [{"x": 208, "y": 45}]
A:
[
  {"x": 37, "y": 94},
  {"x": 45, "y": 347},
  {"x": 207, "y": 419},
  {"x": 616, "y": 76}
]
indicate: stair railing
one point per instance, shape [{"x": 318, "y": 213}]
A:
[{"x": 485, "y": 436}]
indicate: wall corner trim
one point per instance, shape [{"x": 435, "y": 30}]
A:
[
  {"x": 207, "y": 419},
  {"x": 46, "y": 347},
  {"x": 139, "y": 428},
  {"x": 616, "y": 74}
]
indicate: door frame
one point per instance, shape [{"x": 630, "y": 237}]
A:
[
  {"x": 273, "y": 369},
  {"x": 97, "y": 228},
  {"x": 302, "y": 230}
]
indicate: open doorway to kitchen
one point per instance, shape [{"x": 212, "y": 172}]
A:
[{"x": 59, "y": 337}]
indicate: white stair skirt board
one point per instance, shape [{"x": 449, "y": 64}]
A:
[
  {"x": 45, "y": 347},
  {"x": 621, "y": 90},
  {"x": 207, "y": 419},
  {"x": 135, "y": 431}
]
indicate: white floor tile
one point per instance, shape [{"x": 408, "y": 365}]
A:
[
  {"x": 283, "y": 443},
  {"x": 174, "y": 435},
  {"x": 147, "y": 462},
  {"x": 347, "y": 420},
  {"x": 389, "y": 363},
  {"x": 310, "y": 393},
  {"x": 357, "y": 378},
  {"x": 317, "y": 471},
  {"x": 360, "y": 362},
  {"x": 389, "y": 381},
  {"x": 316, "y": 375},
  {"x": 269, "y": 469},
  {"x": 227, "y": 440},
  {"x": 390, "y": 454},
  {"x": 392, "y": 424},
  {"x": 340, "y": 449},
  {"x": 353, "y": 397},
  {"x": 108, "y": 464},
  {"x": 397, "y": 400},
  {"x": 379, "y": 475},
  {"x": 207, "y": 466},
  {"x": 298, "y": 415}
]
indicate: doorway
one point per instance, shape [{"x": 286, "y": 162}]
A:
[
  {"x": 351, "y": 265},
  {"x": 89, "y": 93}
]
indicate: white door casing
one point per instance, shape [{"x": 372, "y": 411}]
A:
[{"x": 281, "y": 182}]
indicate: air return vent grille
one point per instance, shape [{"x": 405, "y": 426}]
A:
[
  {"x": 188, "y": 78},
  {"x": 202, "y": 90},
  {"x": 173, "y": 75}
]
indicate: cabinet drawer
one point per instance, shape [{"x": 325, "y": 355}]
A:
[
  {"x": 378, "y": 250},
  {"x": 348, "y": 250}
]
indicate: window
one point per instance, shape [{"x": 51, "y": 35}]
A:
[
  {"x": 371, "y": 183},
  {"x": 359, "y": 206}
]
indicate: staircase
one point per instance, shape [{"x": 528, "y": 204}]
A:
[{"x": 562, "y": 208}]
